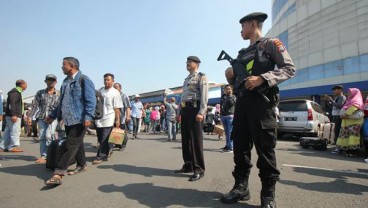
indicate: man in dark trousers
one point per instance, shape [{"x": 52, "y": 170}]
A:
[
  {"x": 76, "y": 108},
  {"x": 254, "y": 119},
  {"x": 337, "y": 102},
  {"x": 192, "y": 109}
]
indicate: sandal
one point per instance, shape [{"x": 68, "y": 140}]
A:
[
  {"x": 54, "y": 181},
  {"x": 77, "y": 170},
  {"x": 96, "y": 162},
  {"x": 41, "y": 160}
]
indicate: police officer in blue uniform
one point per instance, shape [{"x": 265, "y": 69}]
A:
[{"x": 254, "y": 119}]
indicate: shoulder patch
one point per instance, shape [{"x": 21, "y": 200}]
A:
[{"x": 279, "y": 45}]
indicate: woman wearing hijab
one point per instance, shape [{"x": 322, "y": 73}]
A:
[{"x": 352, "y": 119}]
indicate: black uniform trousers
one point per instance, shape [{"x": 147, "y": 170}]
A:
[
  {"x": 192, "y": 138},
  {"x": 254, "y": 124}
]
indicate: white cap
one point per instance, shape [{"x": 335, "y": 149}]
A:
[{"x": 137, "y": 95}]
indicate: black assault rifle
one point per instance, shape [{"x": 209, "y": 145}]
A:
[{"x": 241, "y": 74}]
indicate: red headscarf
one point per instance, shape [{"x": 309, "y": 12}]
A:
[{"x": 355, "y": 99}]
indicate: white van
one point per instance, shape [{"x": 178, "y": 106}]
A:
[{"x": 300, "y": 117}]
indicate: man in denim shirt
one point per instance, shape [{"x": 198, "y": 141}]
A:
[{"x": 76, "y": 109}]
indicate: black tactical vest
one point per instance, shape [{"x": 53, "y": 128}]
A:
[{"x": 256, "y": 60}]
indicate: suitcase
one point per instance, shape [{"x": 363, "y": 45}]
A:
[
  {"x": 54, "y": 153},
  {"x": 313, "y": 143},
  {"x": 208, "y": 127},
  {"x": 326, "y": 131}
]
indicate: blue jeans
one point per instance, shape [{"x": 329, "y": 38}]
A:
[
  {"x": 46, "y": 135},
  {"x": 171, "y": 129},
  {"x": 227, "y": 122},
  {"x": 365, "y": 128},
  {"x": 11, "y": 134}
]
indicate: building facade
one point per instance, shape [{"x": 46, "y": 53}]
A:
[{"x": 328, "y": 42}]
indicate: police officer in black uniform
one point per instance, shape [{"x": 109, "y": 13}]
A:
[
  {"x": 254, "y": 120},
  {"x": 192, "y": 109}
]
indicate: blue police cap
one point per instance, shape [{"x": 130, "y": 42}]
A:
[{"x": 260, "y": 16}]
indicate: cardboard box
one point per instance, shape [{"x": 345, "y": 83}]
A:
[{"x": 117, "y": 136}]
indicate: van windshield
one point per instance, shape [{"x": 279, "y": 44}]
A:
[{"x": 293, "y": 106}]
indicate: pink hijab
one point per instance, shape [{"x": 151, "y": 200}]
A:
[{"x": 355, "y": 99}]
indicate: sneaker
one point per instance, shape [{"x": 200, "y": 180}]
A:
[
  {"x": 336, "y": 151},
  {"x": 224, "y": 148},
  {"x": 227, "y": 150},
  {"x": 36, "y": 140},
  {"x": 366, "y": 160}
]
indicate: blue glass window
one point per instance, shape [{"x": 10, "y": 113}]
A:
[
  {"x": 363, "y": 60},
  {"x": 333, "y": 69},
  {"x": 276, "y": 7},
  {"x": 284, "y": 37},
  {"x": 303, "y": 75},
  {"x": 316, "y": 72},
  {"x": 351, "y": 65}
]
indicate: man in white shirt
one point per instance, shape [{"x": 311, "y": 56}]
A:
[{"x": 111, "y": 115}]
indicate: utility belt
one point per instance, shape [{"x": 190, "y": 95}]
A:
[{"x": 193, "y": 104}]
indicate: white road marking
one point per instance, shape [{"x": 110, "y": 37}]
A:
[{"x": 328, "y": 169}]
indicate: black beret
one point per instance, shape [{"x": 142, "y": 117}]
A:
[
  {"x": 194, "y": 58},
  {"x": 254, "y": 16},
  {"x": 338, "y": 87}
]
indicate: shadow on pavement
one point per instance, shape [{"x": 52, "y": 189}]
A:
[
  {"x": 330, "y": 173},
  {"x": 158, "y": 196},
  {"x": 9, "y": 156},
  {"x": 336, "y": 186},
  {"x": 204, "y": 149},
  {"x": 38, "y": 170},
  {"x": 144, "y": 171},
  {"x": 340, "y": 185}
]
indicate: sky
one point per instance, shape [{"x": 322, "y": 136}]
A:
[{"x": 144, "y": 43}]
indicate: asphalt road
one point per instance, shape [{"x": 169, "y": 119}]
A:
[{"x": 142, "y": 176}]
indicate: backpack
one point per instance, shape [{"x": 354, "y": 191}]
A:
[{"x": 99, "y": 100}]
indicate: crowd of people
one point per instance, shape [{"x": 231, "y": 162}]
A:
[{"x": 246, "y": 113}]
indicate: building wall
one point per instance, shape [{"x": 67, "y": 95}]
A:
[{"x": 327, "y": 40}]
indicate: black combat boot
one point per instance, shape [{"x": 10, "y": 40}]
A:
[
  {"x": 240, "y": 191},
  {"x": 268, "y": 194}
]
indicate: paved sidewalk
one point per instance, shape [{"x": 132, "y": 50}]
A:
[{"x": 142, "y": 176}]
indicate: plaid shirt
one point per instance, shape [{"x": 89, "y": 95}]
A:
[{"x": 44, "y": 103}]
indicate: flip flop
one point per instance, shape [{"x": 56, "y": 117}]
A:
[{"x": 53, "y": 181}]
